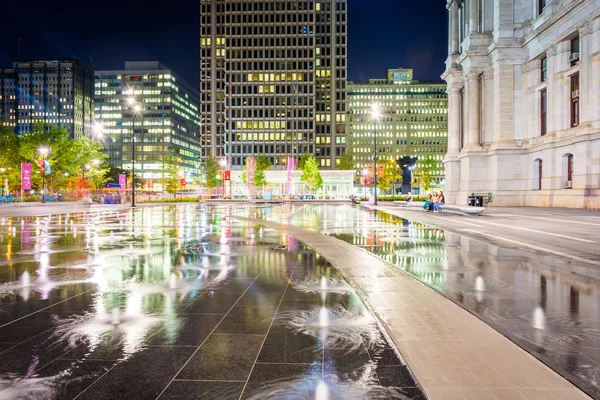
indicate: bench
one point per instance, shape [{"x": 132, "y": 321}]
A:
[
  {"x": 463, "y": 210},
  {"x": 401, "y": 203}
]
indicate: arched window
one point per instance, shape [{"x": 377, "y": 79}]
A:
[
  {"x": 537, "y": 174},
  {"x": 567, "y": 171}
]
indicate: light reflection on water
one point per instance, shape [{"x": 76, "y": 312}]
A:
[
  {"x": 106, "y": 286},
  {"x": 548, "y": 306}
]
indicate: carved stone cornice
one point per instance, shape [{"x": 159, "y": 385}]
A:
[
  {"x": 552, "y": 50},
  {"x": 585, "y": 29}
]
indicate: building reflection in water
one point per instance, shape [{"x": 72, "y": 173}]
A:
[{"x": 547, "y": 305}]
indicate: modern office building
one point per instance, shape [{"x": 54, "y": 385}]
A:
[
  {"x": 168, "y": 122},
  {"x": 524, "y": 102},
  {"x": 273, "y": 79},
  {"x": 51, "y": 92},
  {"x": 413, "y": 122}
]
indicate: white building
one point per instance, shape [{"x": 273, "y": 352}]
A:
[{"x": 524, "y": 102}]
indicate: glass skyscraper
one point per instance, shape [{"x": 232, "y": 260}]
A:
[
  {"x": 50, "y": 92},
  {"x": 168, "y": 122}
]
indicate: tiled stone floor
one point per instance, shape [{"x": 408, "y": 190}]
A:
[
  {"x": 180, "y": 302},
  {"x": 545, "y": 304},
  {"x": 453, "y": 354}
]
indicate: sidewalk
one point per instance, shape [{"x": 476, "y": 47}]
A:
[
  {"x": 569, "y": 233},
  {"x": 453, "y": 354}
]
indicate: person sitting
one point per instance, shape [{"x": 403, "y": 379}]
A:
[
  {"x": 428, "y": 206},
  {"x": 441, "y": 201},
  {"x": 409, "y": 198}
]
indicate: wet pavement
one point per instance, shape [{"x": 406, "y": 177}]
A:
[
  {"x": 547, "y": 305},
  {"x": 182, "y": 302}
]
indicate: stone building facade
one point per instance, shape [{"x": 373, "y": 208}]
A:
[{"x": 524, "y": 102}]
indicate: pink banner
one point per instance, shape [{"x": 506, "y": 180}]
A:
[
  {"x": 250, "y": 174},
  {"x": 26, "y": 176},
  {"x": 122, "y": 182},
  {"x": 291, "y": 166}
]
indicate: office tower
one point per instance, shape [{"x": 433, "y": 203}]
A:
[
  {"x": 523, "y": 102},
  {"x": 414, "y": 119},
  {"x": 168, "y": 122},
  {"x": 51, "y": 92},
  {"x": 273, "y": 79}
]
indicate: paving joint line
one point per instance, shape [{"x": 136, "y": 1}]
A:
[{"x": 205, "y": 339}]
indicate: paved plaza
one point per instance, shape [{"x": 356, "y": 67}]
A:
[{"x": 305, "y": 301}]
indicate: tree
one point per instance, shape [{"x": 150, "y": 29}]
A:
[
  {"x": 210, "y": 169},
  {"x": 311, "y": 175},
  {"x": 425, "y": 173},
  {"x": 302, "y": 161},
  {"x": 170, "y": 179},
  {"x": 391, "y": 174},
  {"x": 262, "y": 163},
  {"x": 346, "y": 162},
  {"x": 68, "y": 159}
]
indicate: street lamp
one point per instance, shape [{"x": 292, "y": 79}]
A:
[
  {"x": 223, "y": 164},
  {"x": 136, "y": 110},
  {"x": 375, "y": 115},
  {"x": 43, "y": 152}
]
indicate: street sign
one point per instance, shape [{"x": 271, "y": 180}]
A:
[
  {"x": 227, "y": 175},
  {"x": 183, "y": 182}
]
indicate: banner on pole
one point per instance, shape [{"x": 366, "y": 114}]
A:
[
  {"x": 227, "y": 175},
  {"x": 122, "y": 182},
  {"x": 291, "y": 166},
  {"x": 250, "y": 174},
  {"x": 26, "y": 176}
]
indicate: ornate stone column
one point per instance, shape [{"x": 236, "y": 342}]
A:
[
  {"x": 473, "y": 105},
  {"x": 584, "y": 73},
  {"x": 454, "y": 13},
  {"x": 474, "y": 16},
  {"x": 454, "y": 116}
]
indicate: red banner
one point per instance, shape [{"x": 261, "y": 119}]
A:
[
  {"x": 227, "y": 176},
  {"x": 26, "y": 176}
]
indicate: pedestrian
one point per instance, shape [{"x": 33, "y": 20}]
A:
[
  {"x": 441, "y": 201},
  {"x": 428, "y": 206},
  {"x": 409, "y": 198}
]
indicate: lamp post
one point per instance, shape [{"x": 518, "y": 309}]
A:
[
  {"x": 223, "y": 164},
  {"x": 375, "y": 115},
  {"x": 43, "y": 151},
  {"x": 136, "y": 109}
]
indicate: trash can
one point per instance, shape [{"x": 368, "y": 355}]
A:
[
  {"x": 472, "y": 201},
  {"x": 479, "y": 201}
]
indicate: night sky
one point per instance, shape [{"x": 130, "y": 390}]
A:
[{"x": 382, "y": 34}]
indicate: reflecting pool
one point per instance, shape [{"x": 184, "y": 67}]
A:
[
  {"x": 182, "y": 302},
  {"x": 548, "y": 306}
]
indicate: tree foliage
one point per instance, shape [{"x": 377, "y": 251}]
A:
[
  {"x": 262, "y": 164},
  {"x": 302, "y": 161},
  {"x": 210, "y": 169},
  {"x": 69, "y": 159},
  {"x": 346, "y": 162},
  {"x": 170, "y": 179},
  {"x": 424, "y": 173},
  {"x": 391, "y": 174},
  {"x": 311, "y": 175}
]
